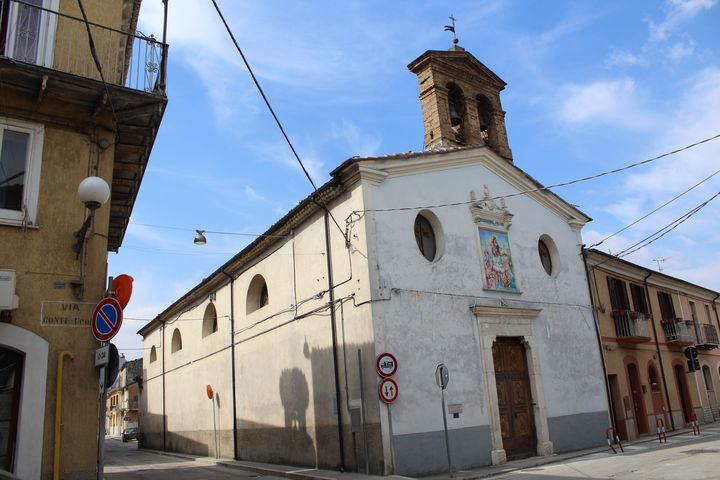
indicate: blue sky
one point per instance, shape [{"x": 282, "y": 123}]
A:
[{"x": 592, "y": 86}]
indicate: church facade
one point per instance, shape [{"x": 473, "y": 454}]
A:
[{"x": 452, "y": 256}]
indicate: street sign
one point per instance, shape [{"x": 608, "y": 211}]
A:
[
  {"x": 113, "y": 367},
  {"x": 690, "y": 353},
  {"x": 102, "y": 356},
  {"x": 386, "y": 365},
  {"x": 442, "y": 376},
  {"x": 388, "y": 390},
  {"x": 107, "y": 319}
]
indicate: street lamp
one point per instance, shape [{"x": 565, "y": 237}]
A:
[
  {"x": 93, "y": 192},
  {"x": 200, "y": 238}
]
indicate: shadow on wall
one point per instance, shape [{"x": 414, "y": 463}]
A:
[
  {"x": 295, "y": 398},
  {"x": 197, "y": 442}
]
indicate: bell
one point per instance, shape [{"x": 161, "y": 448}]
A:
[{"x": 455, "y": 118}]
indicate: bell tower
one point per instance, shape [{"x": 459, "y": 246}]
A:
[{"x": 460, "y": 100}]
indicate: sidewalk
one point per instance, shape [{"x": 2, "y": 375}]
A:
[{"x": 303, "y": 473}]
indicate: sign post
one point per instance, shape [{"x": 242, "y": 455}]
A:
[{"x": 442, "y": 378}]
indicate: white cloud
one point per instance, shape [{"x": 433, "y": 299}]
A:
[
  {"x": 680, "y": 50},
  {"x": 625, "y": 58},
  {"x": 615, "y": 103},
  {"x": 252, "y": 194},
  {"x": 679, "y": 11},
  {"x": 355, "y": 140}
]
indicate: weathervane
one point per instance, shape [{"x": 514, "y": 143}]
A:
[{"x": 451, "y": 28}]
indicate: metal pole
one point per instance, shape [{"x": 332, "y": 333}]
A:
[
  {"x": 215, "y": 426},
  {"x": 447, "y": 440},
  {"x": 101, "y": 419},
  {"x": 362, "y": 413}
]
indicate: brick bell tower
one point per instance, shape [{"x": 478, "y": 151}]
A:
[{"x": 460, "y": 100}]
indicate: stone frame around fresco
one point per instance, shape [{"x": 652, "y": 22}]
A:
[{"x": 494, "y": 218}]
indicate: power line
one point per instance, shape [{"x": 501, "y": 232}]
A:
[
  {"x": 185, "y": 229},
  {"x": 548, "y": 187},
  {"x": 665, "y": 230},
  {"x": 658, "y": 208},
  {"x": 262, "y": 93}
]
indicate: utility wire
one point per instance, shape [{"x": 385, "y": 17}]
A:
[
  {"x": 548, "y": 187},
  {"x": 267, "y": 102},
  {"x": 665, "y": 230},
  {"x": 93, "y": 51},
  {"x": 658, "y": 208},
  {"x": 185, "y": 229}
]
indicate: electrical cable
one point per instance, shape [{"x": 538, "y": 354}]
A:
[
  {"x": 548, "y": 187},
  {"x": 666, "y": 229},
  {"x": 262, "y": 93},
  {"x": 185, "y": 229},
  {"x": 650, "y": 213}
]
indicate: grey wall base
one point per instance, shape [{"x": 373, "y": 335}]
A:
[
  {"x": 425, "y": 452},
  {"x": 576, "y": 432}
]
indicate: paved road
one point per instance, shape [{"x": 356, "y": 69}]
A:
[{"x": 123, "y": 461}]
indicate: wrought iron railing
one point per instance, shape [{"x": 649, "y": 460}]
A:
[
  {"x": 631, "y": 324},
  {"x": 710, "y": 334},
  {"x": 678, "y": 330},
  {"x": 59, "y": 41}
]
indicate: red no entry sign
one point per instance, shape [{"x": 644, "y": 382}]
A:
[
  {"x": 107, "y": 319},
  {"x": 386, "y": 364}
]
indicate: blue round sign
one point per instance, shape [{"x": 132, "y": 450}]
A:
[{"x": 107, "y": 319}]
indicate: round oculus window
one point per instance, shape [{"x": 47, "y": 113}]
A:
[
  {"x": 545, "y": 257},
  {"x": 425, "y": 237}
]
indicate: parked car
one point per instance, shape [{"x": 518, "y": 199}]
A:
[{"x": 130, "y": 433}]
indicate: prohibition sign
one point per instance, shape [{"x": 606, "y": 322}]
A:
[
  {"x": 107, "y": 319},
  {"x": 388, "y": 390},
  {"x": 386, "y": 364}
]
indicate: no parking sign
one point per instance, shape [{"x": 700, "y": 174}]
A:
[{"x": 107, "y": 319}]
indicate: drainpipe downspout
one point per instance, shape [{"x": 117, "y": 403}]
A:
[
  {"x": 163, "y": 389},
  {"x": 596, "y": 323},
  {"x": 657, "y": 349},
  {"x": 58, "y": 411},
  {"x": 333, "y": 323},
  {"x": 236, "y": 456}
]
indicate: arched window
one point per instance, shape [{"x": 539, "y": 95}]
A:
[
  {"x": 485, "y": 109},
  {"x": 153, "y": 354},
  {"x": 456, "y": 105},
  {"x": 257, "y": 295},
  {"x": 176, "y": 343},
  {"x": 210, "y": 322}
]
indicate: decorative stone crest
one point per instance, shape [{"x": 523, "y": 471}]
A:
[{"x": 489, "y": 213}]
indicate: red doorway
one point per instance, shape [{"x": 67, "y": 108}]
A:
[
  {"x": 658, "y": 402},
  {"x": 683, "y": 392},
  {"x": 638, "y": 404}
]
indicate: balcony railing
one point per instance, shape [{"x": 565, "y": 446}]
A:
[
  {"x": 130, "y": 405},
  {"x": 710, "y": 338},
  {"x": 60, "y": 42},
  {"x": 631, "y": 327},
  {"x": 678, "y": 331}
]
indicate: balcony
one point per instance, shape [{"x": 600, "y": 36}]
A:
[
  {"x": 631, "y": 327},
  {"x": 678, "y": 332},
  {"x": 48, "y": 68},
  {"x": 54, "y": 40},
  {"x": 130, "y": 405},
  {"x": 710, "y": 338}
]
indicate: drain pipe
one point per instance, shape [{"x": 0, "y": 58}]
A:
[
  {"x": 657, "y": 349},
  {"x": 58, "y": 411},
  {"x": 333, "y": 324},
  {"x": 596, "y": 323},
  {"x": 232, "y": 360}
]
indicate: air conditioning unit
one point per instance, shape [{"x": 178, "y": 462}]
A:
[{"x": 8, "y": 299}]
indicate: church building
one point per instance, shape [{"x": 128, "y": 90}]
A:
[{"x": 409, "y": 294}]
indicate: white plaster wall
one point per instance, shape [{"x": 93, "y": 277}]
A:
[{"x": 424, "y": 329}]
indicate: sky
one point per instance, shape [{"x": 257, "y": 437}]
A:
[{"x": 591, "y": 86}]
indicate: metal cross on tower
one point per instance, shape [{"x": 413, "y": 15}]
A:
[{"x": 451, "y": 28}]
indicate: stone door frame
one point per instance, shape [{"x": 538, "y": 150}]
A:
[{"x": 497, "y": 322}]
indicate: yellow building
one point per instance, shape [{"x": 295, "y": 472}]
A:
[
  {"x": 649, "y": 324},
  {"x": 60, "y": 122}
]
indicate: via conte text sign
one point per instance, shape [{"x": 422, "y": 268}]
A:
[{"x": 107, "y": 319}]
